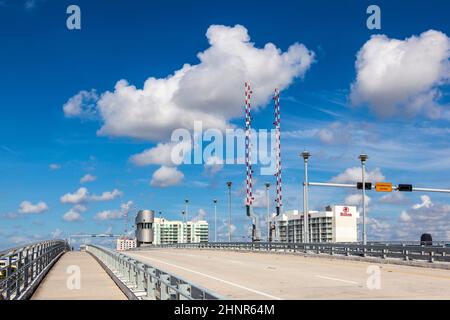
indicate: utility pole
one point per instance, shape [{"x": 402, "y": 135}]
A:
[
  {"x": 305, "y": 154},
  {"x": 215, "y": 220},
  {"x": 268, "y": 210},
  {"x": 363, "y": 157},
  {"x": 229, "y": 183}
]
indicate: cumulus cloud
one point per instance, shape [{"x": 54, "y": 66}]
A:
[
  {"x": 108, "y": 215},
  {"x": 355, "y": 199},
  {"x": 210, "y": 91},
  {"x": 26, "y": 207},
  {"x": 81, "y": 105},
  {"x": 425, "y": 217},
  {"x": 107, "y": 195},
  {"x": 167, "y": 154},
  {"x": 259, "y": 198},
  {"x": 82, "y": 196},
  {"x": 88, "y": 178},
  {"x": 402, "y": 76},
  {"x": 72, "y": 216},
  {"x": 397, "y": 198},
  {"x": 354, "y": 174},
  {"x": 166, "y": 177}
]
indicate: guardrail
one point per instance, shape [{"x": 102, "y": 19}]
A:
[
  {"x": 146, "y": 281},
  {"x": 22, "y": 268},
  {"x": 434, "y": 253}
]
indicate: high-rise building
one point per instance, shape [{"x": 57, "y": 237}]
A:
[
  {"x": 335, "y": 224},
  {"x": 125, "y": 244},
  {"x": 167, "y": 232}
]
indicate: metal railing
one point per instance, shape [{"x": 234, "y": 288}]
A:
[
  {"x": 22, "y": 268},
  {"x": 146, "y": 281},
  {"x": 408, "y": 251}
]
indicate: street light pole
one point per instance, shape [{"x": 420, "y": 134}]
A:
[
  {"x": 305, "y": 154},
  {"x": 215, "y": 220},
  {"x": 363, "y": 157},
  {"x": 229, "y": 210},
  {"x": 184, "y": 227},
  {"x": 186, "y": 201},
  {"x": 268, "y": 210}
]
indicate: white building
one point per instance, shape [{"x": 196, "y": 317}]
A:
[
  {"x": 335, "y": 224},
  {"x": 167, "y": 232},
  {"x": 125, "y": 244}
]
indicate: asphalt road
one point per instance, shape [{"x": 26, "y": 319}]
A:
[{"x": 246, "y": 275}]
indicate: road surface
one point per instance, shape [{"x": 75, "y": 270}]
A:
[{"x": 246, "y": 275}]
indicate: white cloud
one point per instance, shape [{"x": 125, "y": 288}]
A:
[
  {"x": 201, "y": 215},
  {"x": 259, "y": 198},
  {"x": 88, "y": 178},
  {"x": 211, "y": 91},
  {"x": 81, "y": 105},
  {"x": 72, "y": 216},
  {"x": 108, "y": 195},
  {"x": 425, "y": 217},
  {"x": 426, "y": 203},
  {"x": 164, "y": 154},
  {"x": 405, "y": 217},
  {"x": 166, "y": 176},
  {"x": 82, "y": 196},
  {"x": 27, "y": 207},
  {"x": 402, "y": 76},
  {"x": 54, "y": 166},
  {"x": 213, "y": 165},
  {"x": 394, "y": 198},
  {"x": 108, "y": 215},
  {"x": 355, "y": 175},
  {"x": 56, "y": 234},
  {"x": 355, "y": 199}
]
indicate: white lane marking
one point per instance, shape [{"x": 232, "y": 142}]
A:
[
  {"x": 336, "y": 279},
  {"x": 214, "y": 278}
]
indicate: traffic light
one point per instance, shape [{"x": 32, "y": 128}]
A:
[
  {"x": 405, "y": 187},
  {"x": 368, "y": 185}
]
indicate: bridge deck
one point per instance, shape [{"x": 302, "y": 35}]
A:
[
  {"x": 95, "y": 283},
  {"x": 244, "y": 275}
]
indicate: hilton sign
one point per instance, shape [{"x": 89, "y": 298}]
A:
[{"x": 346, "y": 212}]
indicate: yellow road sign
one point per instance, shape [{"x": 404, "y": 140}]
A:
[{"x": 383, "y": 187}]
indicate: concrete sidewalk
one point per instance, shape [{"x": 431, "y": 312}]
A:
[{"x": 95, "y": 283}]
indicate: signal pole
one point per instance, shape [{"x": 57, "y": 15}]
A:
[{"x": 363, "y": 157}]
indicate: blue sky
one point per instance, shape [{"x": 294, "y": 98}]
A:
[{"x": 43, "y": 65}]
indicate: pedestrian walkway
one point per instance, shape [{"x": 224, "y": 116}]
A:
[{"x": 95, "y": 283}]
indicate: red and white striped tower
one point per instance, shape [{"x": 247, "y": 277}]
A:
[
  {"x": 248, "y": 148},
  {"x": 279, "y": 192}
]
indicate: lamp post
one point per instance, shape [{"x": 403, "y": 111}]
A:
[
  {"x": 229, "y": 183},
  {"x": 184, "y": 227},
  {"x": 186, "y": 201},
  {"x": 215, "y": 220},
  {"x": 305, "y": 154},
  {"x": 363, "y": 157},
  {"x": 267, "y": 185}
]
